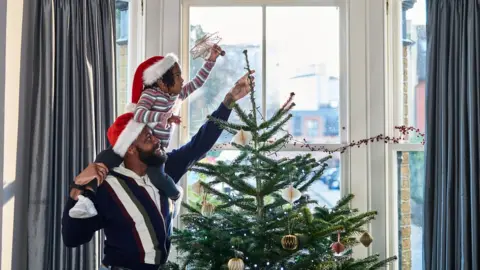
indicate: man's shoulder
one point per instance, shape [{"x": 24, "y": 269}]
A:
[{"x": 111, "y": 179}]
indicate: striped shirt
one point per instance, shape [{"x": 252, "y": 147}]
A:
[{"x": 155, "y": 107}]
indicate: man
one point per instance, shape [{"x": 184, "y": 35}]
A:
[{"x": 134, "y": 215}]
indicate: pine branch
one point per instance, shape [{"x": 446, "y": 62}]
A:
[
  {"x": 239, "y": 159},
  {"x": 244, "y": 148},
  {"x": 365, "y": 261},
  {"x": 230, "y": 127},
  {"x": 252, "y": 89},
  {"x": 238, "y": 184},
  {"x": 244, "y": 117},
  {"x": 276, "y": 117},
  {"x": 265, "y": 159},
  {"x": 383, "y": 263},
  {"x": 238, "y": 202},
  {"x": 361, "y": 217},
  {"x": 272, "y": 131},
  {"x": 307, "y": 215},
  {"x": 314, "y": 178},
  {"x": 275, "y": 145},
  {"x": 229, "y": 201},
  {"x": 343, "y": 202},
  {"x": 327, "y": 231},
  {"x": 190, "y": 208}
]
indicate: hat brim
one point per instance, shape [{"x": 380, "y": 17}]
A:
[{"x": 157, "y": 70}]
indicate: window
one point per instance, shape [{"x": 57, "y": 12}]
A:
[
  {"x": 331, "y": 125},
  {"x": 312, "y": 128},
  {"x": 409, "y": 60},
  {"x": 297, "y": 126},
  {"x": 285, "y": 60},
  {"x": 121, "y": 9},
  {"x": 235, "y": 38},
  {"x": 122, "y": 38}
]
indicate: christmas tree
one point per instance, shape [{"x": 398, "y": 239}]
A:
[{"x": 268, "y": 221}]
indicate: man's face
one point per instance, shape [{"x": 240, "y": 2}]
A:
[
  {"x": 178, "y": 79},
  {"x": 149, "y": 150}
]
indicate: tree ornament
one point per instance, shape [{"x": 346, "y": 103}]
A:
[
  {"x": 338, "y": 247},
  {"x": 366, "y": 239},
  {"x": 236, "y": 264},
  {"x": 207, "y": 209},
  {"x": 290, "y": 242},
  {"x": 242, "y": 137},
  {"x": 291, "y": 194}
]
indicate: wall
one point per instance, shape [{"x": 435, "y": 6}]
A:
[
  {"x": 10, "y": 120},
  {"x": 3, "y": 27},
  {"x": 18, "y": 27}
]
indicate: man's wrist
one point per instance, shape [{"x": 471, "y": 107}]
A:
[{"x": 229, "y": 101}]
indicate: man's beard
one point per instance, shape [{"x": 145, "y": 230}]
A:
[{"x": 153, "y": 158}]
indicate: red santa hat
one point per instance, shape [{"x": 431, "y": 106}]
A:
[
  {"x": 123, "y": 133},
  {"x": 148, "y": 73}
]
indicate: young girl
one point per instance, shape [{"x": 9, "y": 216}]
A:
[
  {"x": 157, "y": 85},
  {"x": 160, "y": 87}
]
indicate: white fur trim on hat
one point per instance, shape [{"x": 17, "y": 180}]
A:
[
  {"x": 130, "y": 107},
  {"x": 156, "y": 71},
  {"x": 126, "y": 138}
]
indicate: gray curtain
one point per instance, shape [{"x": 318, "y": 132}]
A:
[
  {"x": 452, "y": 203},
  {"x": 68, "y": 103}
]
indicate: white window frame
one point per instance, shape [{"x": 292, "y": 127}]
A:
[
  {"x": 395, "y": 111},
  {"x": 365, "y": 23}
]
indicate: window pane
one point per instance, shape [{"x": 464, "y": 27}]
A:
[
  {"x": 411, "y": 186},
  {"x": 122, "y": 54},
  {"x": 303, "y": 56},
  {"x": 414, "y": 57},
  {"x": 326, "y": 190},
  {"x": 240, "y": 29}
]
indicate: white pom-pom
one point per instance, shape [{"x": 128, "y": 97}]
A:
[
  {"x": 291, "y": 194},
  {"x": 242, "y": 137},
  {"x": 130, "y": 107}
]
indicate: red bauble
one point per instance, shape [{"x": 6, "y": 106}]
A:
[{"x": 337, "y": 247}]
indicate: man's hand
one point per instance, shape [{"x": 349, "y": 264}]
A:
[
  {"x": 174, "y": 119},
  {"x": 94, "y": 170},
  {"x": 215, "y": 51},
  {"x": 241, "y": 89}
]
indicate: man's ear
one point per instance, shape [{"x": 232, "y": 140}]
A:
[{"x": 131, "y": 150}]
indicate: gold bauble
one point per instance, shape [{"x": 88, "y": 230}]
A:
[
  {"x": 236, "y": 264},
  {"x": 290, "y": 242},
  {"x": 207, "y": 209},
  {"x": 366, "y": 239}
]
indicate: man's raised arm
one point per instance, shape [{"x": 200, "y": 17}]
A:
[{"x": 181, "y": 159}]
